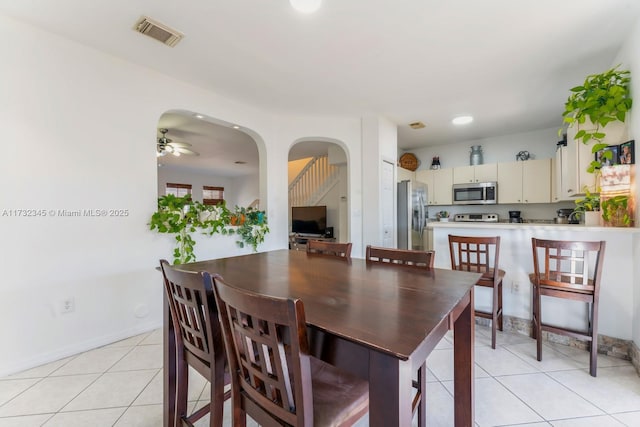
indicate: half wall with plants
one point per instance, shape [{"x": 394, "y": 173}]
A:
[{"x": 182, "y": 216}]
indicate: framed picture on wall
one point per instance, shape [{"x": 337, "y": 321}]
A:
[
  {"x": 626, "y": 153},
  {"x": 608, "y": 156}
]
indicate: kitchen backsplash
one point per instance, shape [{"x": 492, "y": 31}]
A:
[{"x": 534, "y": 211}]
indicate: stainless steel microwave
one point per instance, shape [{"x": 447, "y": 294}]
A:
[{"x": 477, "y": 193}]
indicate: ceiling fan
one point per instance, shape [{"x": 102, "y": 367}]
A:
[{"x": 167, "y": 146}]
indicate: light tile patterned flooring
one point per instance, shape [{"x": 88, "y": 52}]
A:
[{"x": 121, "y": 385}]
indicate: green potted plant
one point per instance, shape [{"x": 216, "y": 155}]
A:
[
  {"x": 443, "y": 216},
  {"x": 602, "y": 98},
  {"x": 588, "y": 208},
  {"x": 179, "y": 216}
]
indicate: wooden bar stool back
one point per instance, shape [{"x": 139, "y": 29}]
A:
[
  {"x": 569, "y": 270},
  {"x": 199, "y": 343},
  {"x": 341, "y": 250},
  {"x": 481, "y": 255},
  {"x": 274, "y": 378},
  {"x": 416, "y": 259},
  {"x": 400, "y": 257}
]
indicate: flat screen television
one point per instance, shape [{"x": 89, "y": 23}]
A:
[{"x": 310, "y": 220}]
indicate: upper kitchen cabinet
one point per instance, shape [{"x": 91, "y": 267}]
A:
[
  {"x": 477, "y": 173},
  {"x": 524, "y": 182},
  {"x": 439, "y": 185},
  {"x": 405, "y": 175},
  {"x": 573, "y": 160}
]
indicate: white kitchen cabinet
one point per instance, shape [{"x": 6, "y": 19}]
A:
[
  {"x": 478, "y": 173},
  {"x": 439, "y": 183},
  {"x": 576, "y": 158},
  {"x": 405, "y": 174},
  {"x": 524, "y": 182}
]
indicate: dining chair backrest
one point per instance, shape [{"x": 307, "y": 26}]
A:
[
  {"x": 476, "y": 254},
  {"x": 570, "y": 265},
  {"x": 268, "y": 351},
  {"x": 422, "y": 259},
  {"x": 342, "y": 250},
  {"x": 199, "y": 343},
  {"x": 273, "y": 375}
]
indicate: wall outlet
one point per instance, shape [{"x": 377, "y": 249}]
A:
[
  {"x": 67, "y": 305},
  {"x": 515, "y": 286}
]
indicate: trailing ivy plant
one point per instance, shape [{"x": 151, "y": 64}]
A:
[
  {"x": 179, "y": 216},
  {"x": 182, "y": 216},
  {"x": 602, "y": 98}
]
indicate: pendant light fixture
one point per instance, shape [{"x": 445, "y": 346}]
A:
[{"x": 306, "y": 6}]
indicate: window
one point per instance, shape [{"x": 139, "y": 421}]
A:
[
  {"x": 212, "y": 195},
  {"x": 178, "y": 190}
]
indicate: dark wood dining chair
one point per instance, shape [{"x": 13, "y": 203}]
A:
[
  {"x": 274, "y": 378},
  {"x": 481, "y": 255},
  {"x": 569, "y": 270},
  {"x": 199, "y": 344},
  {"x": 341, "y": 250},
  {"x": 416, "y": 259},
  {"x": 404, "y": 257}
]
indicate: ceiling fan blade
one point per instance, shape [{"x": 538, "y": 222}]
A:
[
  {"x": 180, "y": 144},
  {"x": 185, "y": 151}
]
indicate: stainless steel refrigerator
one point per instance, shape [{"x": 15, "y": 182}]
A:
[{"x": 412, "y": 215}]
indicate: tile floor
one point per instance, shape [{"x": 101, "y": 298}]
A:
[{"x": 121, "y": 385}]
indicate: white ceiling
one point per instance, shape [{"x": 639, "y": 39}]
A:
[{"x": 508, "y": 63}]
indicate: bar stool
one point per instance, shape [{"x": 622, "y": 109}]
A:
[
  {"x": 475, "y": 254},
  {"x": 569, "y": 270}
]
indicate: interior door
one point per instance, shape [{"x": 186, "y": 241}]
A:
[{"x": 388, "y": 204}]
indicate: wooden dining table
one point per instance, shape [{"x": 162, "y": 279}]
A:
[{"x": 377, "y": 321}]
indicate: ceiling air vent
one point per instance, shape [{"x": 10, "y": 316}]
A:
[
  {"x": 416, "y": 125},
  {"x": 158, "y": 31}
]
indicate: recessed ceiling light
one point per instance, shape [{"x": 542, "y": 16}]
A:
[
  {"x": 235, "y": 127},
  {"x": 416, "y": 125},
  {"x": 462, "y": 120},
  {"x": 306, "y": 6},
  {"x": 198, "y": 116}
]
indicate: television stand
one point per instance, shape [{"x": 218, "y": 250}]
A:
[{"x": 298, "y": 242}]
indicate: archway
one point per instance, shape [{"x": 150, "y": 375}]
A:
[{"x": 318, "y": 176}]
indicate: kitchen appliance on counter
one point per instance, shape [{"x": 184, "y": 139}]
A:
[
  {"x": 476, "y": 217},
  {"x": 565, "y": 216},
  {"x": 475, "y": 193},
  {"x": 514, "y": 216},
  {"x": 412, "y": 214}
]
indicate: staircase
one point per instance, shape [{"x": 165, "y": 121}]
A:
[{"x": 313, "y": 182}]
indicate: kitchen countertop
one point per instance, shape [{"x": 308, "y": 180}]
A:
[{"x": 537, "y": 225}]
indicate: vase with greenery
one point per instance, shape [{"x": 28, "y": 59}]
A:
[
  {"x": 615, "y": 211},
  {"x": 182, "y": 217}
]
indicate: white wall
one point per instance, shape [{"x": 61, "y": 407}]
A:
[
  {"x": 241, "y": 190},
  {"x": 68, "y": 113}
]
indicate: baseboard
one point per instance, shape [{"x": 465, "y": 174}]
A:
[
  {"x": 610, "y": 346},
  {"x": 634, "y": 353},
  {"x": 77, "y": 348}
]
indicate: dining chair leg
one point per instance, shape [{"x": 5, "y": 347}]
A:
[
  {"x": 538, "y": 323},
  {"x": 500, "y": 306},
  {"x": 217, "y": 395},
  {"x": 494, "y": 317},
  {"x": 534, "y": 314},
  {"x": 182, "y": 387},
  {"x": 422, "y": 389},
  {"x": 593, "y": 362}
]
